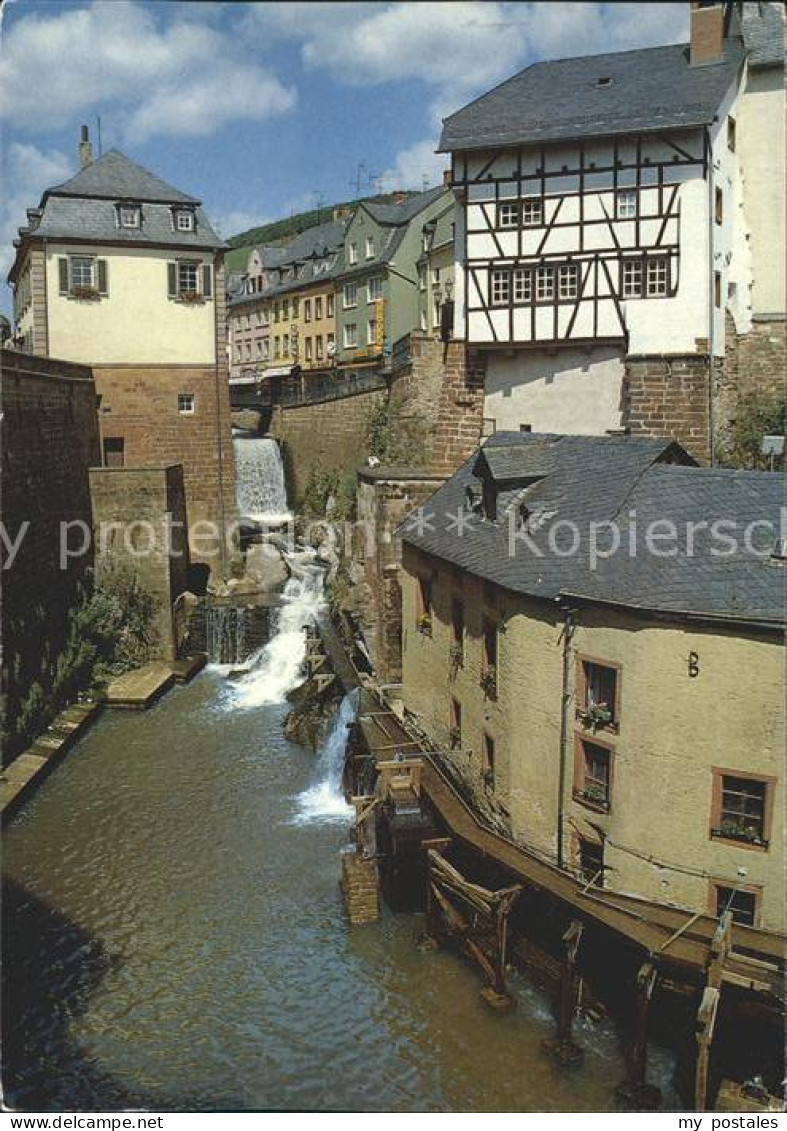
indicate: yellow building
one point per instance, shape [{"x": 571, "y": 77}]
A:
[
  {"x": 284, "y": 314},
  {"x": 624, "y": 712}
]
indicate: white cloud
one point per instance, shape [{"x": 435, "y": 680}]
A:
[
  {"x": 26, "y": 172},
  {"x": 416, "y": 167},
  {"x": 186, "y": 76}
]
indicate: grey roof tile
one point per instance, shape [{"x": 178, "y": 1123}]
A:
[
  {"x": 83, "y": 218},
  {"x": 762, "y": 27},
  {"x": 653, "y": 88},
  {"x": 633, "y": 482},
  {"x": 116, "y": 177},
  {"x": 409, "y": 208}
]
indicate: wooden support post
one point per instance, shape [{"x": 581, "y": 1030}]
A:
[
  {"x": 563, "y": 1049},
  {"x": 635, "y": 1093},
  {"x": 720, "y": 947}
]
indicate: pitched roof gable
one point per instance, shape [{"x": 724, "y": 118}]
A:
[{"x": 114, "y": 176}]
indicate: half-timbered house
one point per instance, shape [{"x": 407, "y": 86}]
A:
[{"x": 604, "y": 225}]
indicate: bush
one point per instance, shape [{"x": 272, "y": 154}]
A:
[
  {"x": 381, "y": 426},
  {"x": 324, "y": 484},
  {"x": 757, "y": 416}
]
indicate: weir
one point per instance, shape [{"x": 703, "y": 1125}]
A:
[{"x": 259, "y": 475}]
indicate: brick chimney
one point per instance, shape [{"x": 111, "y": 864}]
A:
[
  {"x": 447, "y": 177},
  {"x": 707, "y": 32},
  {"x": 85, "y": 149},
  {"x": 399, "y": 197}
]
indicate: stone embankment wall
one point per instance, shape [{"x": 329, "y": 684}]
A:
[{"x": 50, "y": 439}]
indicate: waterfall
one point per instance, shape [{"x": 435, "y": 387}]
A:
[
  {"x": 324, "y": 799},
  {"x": 279, "y": 668},
  {"x": 225, "y": 634},
  {"x": 259, "y": 478}
]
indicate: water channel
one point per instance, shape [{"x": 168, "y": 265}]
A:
[{"x": 175, "y": 936}]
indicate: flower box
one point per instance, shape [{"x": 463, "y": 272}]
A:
[
  {"x": 595, "y": 716},
  {"x": 731, "y": 831},
  {"x": 86, "y": 293},
  {"x": 190, "y": 296},
  {"x": 594, "y": 797}
]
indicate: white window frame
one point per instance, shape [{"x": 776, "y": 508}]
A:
[
  {"x": 657, "y": 276},
  {"x": 350, "y": 296},
  {"x": 266, "y": 349},
  {"x": 370, "y": 247},
  {"x": 348, "y": 343},
  {"x": 632, "y": 281},
  {"x": 626, "y": 204},
  {"x": 186, "y": 404},
  {"x": 568, "y": 281},
  {"x": 371, "y": 331},
  {"x": 330, "y": 306},
  {"x": 377, "y": 281},
  {"x": 500, "y": 288},
  {"x": 129, "y": 215},
  {"x": 436, "y": 304},
  {"x": 352, "y": 253},
  {"x": 188, "y": 265},
  {"x": 545, "y": 284},
  {"x": 508, "y": 215},
  {"x": 307, "y": 349},
  {"x": 74, "y": 272},
  {"x": 184, "y": 220},
  {"x": 532, "y": 212},
  {"x": 523, "y": 284}
]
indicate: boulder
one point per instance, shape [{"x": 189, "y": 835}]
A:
[{"x": 266, "y": 567}]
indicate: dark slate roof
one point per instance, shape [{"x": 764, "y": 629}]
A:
[
  {"x": 304, "y": 251},
  {"x": 762, "y": 27},
  {"x": 404, "y": 212},
  {"x": 115, "y": 177},
  {"x": 650, "y": 89},
  {"x": 83, "y": 218},
  {"x": 598, "y": 479}
]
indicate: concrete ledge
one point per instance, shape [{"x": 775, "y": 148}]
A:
[
  {"x": 140, "y": 688},
  {"x": 27, "y": 771},
  {"x": 184, "y": 670}
]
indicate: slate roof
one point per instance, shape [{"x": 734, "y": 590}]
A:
[
  {"x": 404, "y": 212},
  {"x": 762, "y": 27},
  {"x": 649, "y": 89},
  {"x": 320, "y": 242},
  {"x": 598, "y": 479},
  {"x": 116, "y": 177}
]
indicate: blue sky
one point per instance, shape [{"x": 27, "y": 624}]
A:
[{"x": 257, "y": 107}]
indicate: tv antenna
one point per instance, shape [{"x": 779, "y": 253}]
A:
[{"x": 358, "y": 181}]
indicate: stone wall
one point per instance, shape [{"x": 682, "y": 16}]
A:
[
  {"x": 754, "y": 365},
  {"x": 669, "y": 395},
  {"x": 326, "y": 436},
  {"x": 140, "y": 407},
  {"x": 139, "y": 516},
  {"x": 49, "y": 440}
]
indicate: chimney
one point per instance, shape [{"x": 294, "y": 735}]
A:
[
  {"x": 447, "y": 178},
  {"x": 399, "y": 197},
  {"x": 707, "y": 32},
  {"x": 85, "y": 149}
]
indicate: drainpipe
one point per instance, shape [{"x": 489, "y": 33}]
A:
[
  {"x": 711, "y": 302},
  {"x": 219, "y": 437},
  {"x": 569, "y": 625}
]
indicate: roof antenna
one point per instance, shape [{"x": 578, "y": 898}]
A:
[{"x": 98, "y": 133}]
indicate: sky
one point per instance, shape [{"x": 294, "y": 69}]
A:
[{"x": 264, "y": 109}]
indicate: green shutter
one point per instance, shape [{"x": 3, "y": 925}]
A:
[
  {"x": 62, "y": 267},
  {"x": 103, "y": 286},
  {"x": 207, "y": 280},
  {"x": 172, "y": 275}
]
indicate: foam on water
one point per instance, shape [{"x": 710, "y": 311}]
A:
[{"x": 324, "y": 800}]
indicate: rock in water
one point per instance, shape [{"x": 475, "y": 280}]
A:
[{"x": 266, "y": 567}]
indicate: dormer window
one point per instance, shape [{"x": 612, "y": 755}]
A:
[
  {"x": 184, "y": 220},
  {"x": 129, "y": 215}
]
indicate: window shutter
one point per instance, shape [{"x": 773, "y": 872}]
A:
[
  {"x": 103, "y": 287},
  {"x": 172, "y": 275},
  {"x": 207, "y": 280},
  {"x": 62, "y": 266}
]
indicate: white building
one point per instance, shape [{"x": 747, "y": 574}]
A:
[{"x": 613, "y": 209}]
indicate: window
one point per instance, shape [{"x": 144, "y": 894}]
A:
[
  {"x": 318, "y": 308},
  {"x": 545, "y": 284},
  {"x": 266, "y": 348},
  {"x": 632, "y": 278},
  {"x": 523, "y": 285},
  {"x": 276, "y": 312},
  {"x": 329, "y": 306},
  {"x": 307, "y": 310},
  {"x": 435, "y": 276},
  {"x": 626, "y": 205},
  {"x": 184, "y": 220},
  {"x": 350, "y": 296},
  {"x": 130, "y": 215},
  {"x": 435, "y": 313},
  {"x": 285, "y": 310},
  {"x": 731, "y": 131},
  {"x": 533, "y": 211},
  {"x": 489, "y": 658},
  {"x": 350, "y": 336},
  {"x": 369, "y": 247},
  {"x": 488, "y": 753},
  {"x": 658, "y": 283},
  {"x": 423, "y": 609},
  {"x": 352, "y": 253},
  {"x": 295, "y": 308},
  {"x": 330, "y": 342},
  {"x": 568, "y": 281},
  {"x": 593, "y": 774},
  {"x": 717, "y": 288},
  {"x": 318, "y": 347},
  {"x": 238, "y": 354},
  {"x": 247, "y": 347},
  {"x": 457, "y": 632},
  {"x": 719, "y": 198},
  {"x": 598, "y": 694},
  {"x": 186, "y": 404},
  {"x": 741, "y": 809},
  {"x": 371, "y": 332},
  {"x": 501, "y": 288},
  {"x": 277, "y": 346},
  {"x": 83, "y": 272},
  {"x": 375, "y": 288},
  {"x": 258, "y": 346},
  {"x": 508, "y": 215},
  {"x": 742, "y": 904},
  {"x": 422, "y": 278},
  {"x": 455, "y": 733},
  {"x": 114, "y": 451},
  {"x": 591, "y": 861},
  {"x": 285, "y": 344},
  {"x": 187, "y": 278}
]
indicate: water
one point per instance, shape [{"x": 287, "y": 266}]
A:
[
  {"x": 259, "y": 475},
  {"x": 175, "y": 939},
  {"x": 225, "y": 634}
]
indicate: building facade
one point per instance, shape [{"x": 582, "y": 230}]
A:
[
  {"x": 617, "y": 210},
  {"x": 436, "y": 275},
  {"x": 625, "y": 716},
  {"x": 378, "y": 297},
  {"x": 118, "y": 270}
]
